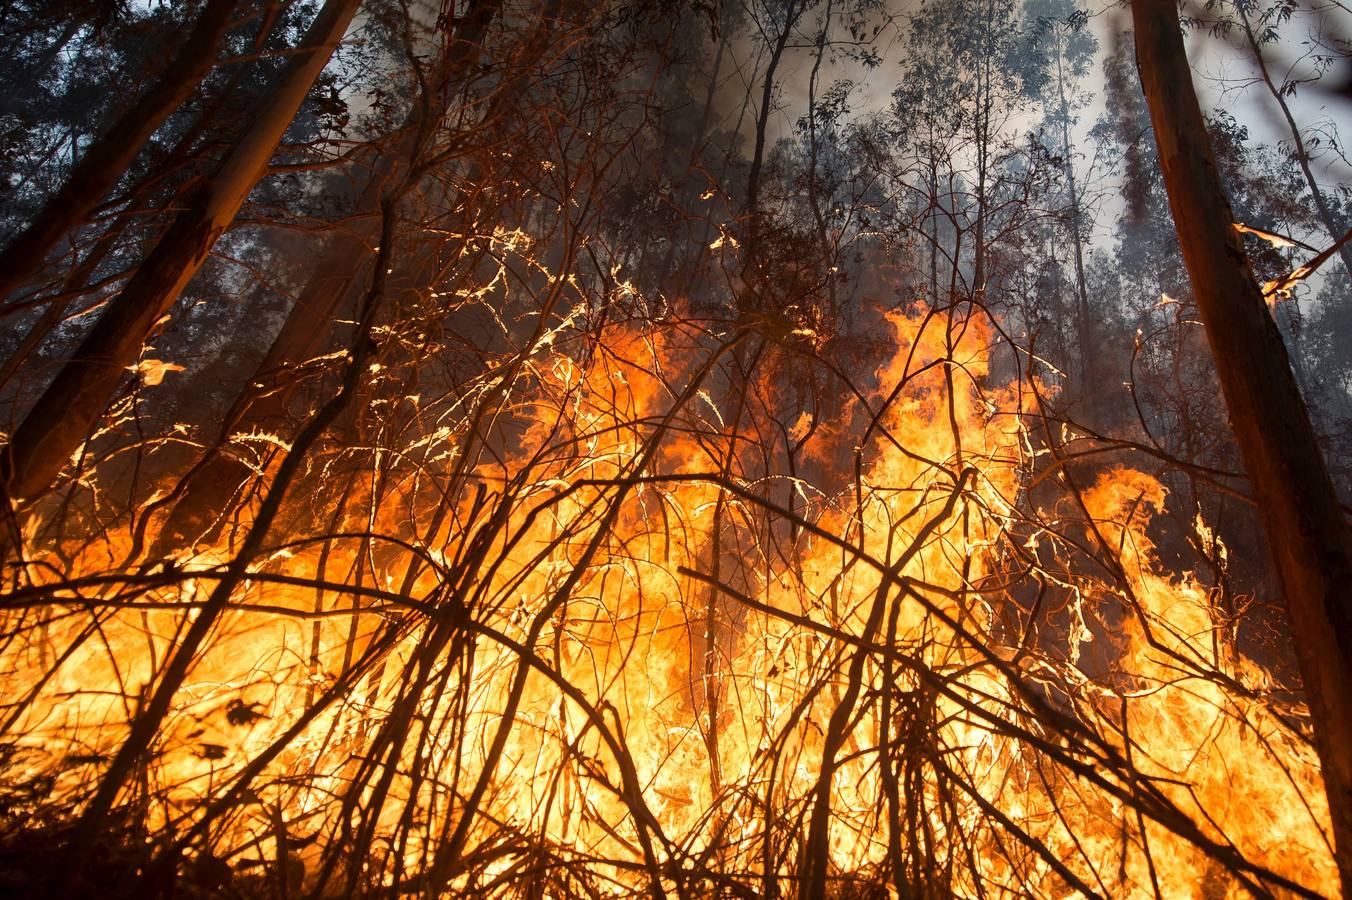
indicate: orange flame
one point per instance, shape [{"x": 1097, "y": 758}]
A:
[{"x": 685, "y": 638}]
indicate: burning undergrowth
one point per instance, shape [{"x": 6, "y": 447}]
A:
[{"x": 633, "y": 612}]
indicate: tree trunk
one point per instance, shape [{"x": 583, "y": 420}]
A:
[
  {"x": 70, "y": 406},
  {"x": 108, "y": 158},
  {"x": 753, "y": 178},
  {"x": 1084, "y": 323},
  {"x": 207, "y": 492},
  {"x": 696, "y": 148},
  {"x": 982, "y": 139},
  {"x": 134, "y": 207},
  {"x": 1306, "y": 533}
]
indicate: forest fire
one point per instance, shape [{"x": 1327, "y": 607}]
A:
[
  {"x": 468, "y": 449},
  {"x": 553, "y": 682}
]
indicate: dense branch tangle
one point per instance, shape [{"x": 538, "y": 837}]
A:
[{"x": 971, "y": 755}]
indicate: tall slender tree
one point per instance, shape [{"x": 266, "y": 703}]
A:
[
  {"x": 205, "y": 493},
  {"x": 68, "y": 409},
  {"x": 1063, "y": 51},
  {"x": 105, "y": 161},
  {"x": 1306, "y": 531}
]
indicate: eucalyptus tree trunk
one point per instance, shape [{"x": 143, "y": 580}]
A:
[
  {"x": 207, "y": 493},
  {"x": 813, "y": 193},
  {"x": 697, "y": 146},
  {"x": 1084, "y": 322},
  {"x": 1306, "y": 532},
  {"x": 981, "y": 137},
  {"x": 66, "y": 412},
  {"x": 135, "y": 203},
  {"x": 109, "y": 157}
]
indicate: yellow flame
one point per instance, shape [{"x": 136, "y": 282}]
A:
[{"x": 678, "y": 632}]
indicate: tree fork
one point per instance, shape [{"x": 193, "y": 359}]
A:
[{"x": 1306, "y": 532}]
